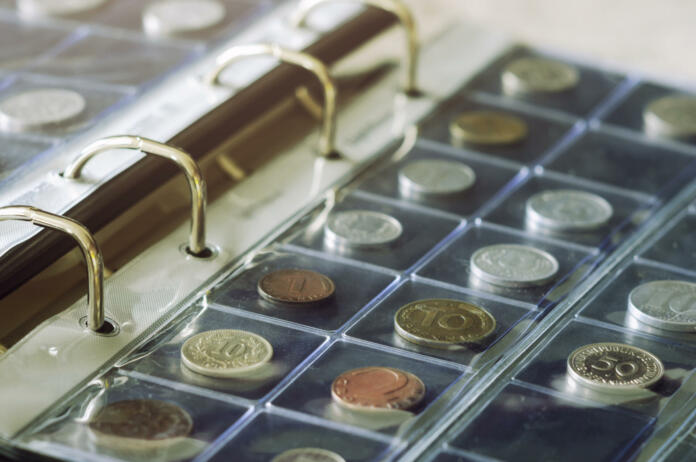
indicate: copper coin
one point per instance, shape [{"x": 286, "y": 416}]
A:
[
  {"x": 295, "y": 286},
  {"x": 487, "y": 128},
  {"x": 144, "y": 419},
  {"x": 377, "y": 388}
]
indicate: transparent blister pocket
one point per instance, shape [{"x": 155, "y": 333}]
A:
[
  {"x": 162, "y": 357},
  {"x": 146, "y": 422},
  {"x": 549, "y": 369},
  {"x": 677, "y": 246},
  {"x": 310, "y": 392},
  {"x": 354, "y": 288},
  {"x": 29, "y": 42},
  {"x": 540, "y": 426},
  {"x": 452, "y": 265},
  {"x": 15, "y": 152}
]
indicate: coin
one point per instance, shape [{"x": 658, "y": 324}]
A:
[
  {"x": 443, "y": 323},
  {"x": 538, "y": 75},
  {"x": 295, "y": 286},
  {"x": 487, "y": 128},
  {"x": 614, "y": 367},
  {"x": 225, "y": 353},
  {"x": 671, "y": 116},
  {"x": 361, "y": 229},
  {"x": 308, "y": 455},
  {"x": 143, "y": 419},
  {"x": 40, "y": 108},
  {"x": 177, "y": 17},
  {"x": 568, "y": 210},
  {"x": 513, "y": 265},
  {"x": 377, "y": 388},
  {"x": 432, "y": 177},
  {"x": 56, "y": 7},
  {"x": 668, "y": 305}
]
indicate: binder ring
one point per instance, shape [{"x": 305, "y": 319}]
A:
[
  {"x": 88, "y": 245},
  {"x": 197, "y": 187},
  {"x": 398, "y": 9},
  {"x": 327, "y": 137}
]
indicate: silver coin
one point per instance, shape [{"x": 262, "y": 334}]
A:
[
  {"x": 174, "y": 17},
  {"x": 308, "y": 455},
  {"x": 513, "y": 265},
  {"x": 361, "y": 229},
  {"x": 56, "y": 7},
  {"x": 226, "y": 353},
  {"x": 538, "y": 75},
  {"x": 435, "y": 177},
  {"x": 671, "y": 116},
  {"x": 568, "y": 210},
  {"x": 668, "y": 305},
  {"x": 40, "y": 109},
  {"x": 614, "y": 368}
]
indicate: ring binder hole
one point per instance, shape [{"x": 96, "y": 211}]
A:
[
  {"x": 109, "y": 329},
  {"x": 209, "y": 253},
  {"x": 414, "y": 93}
]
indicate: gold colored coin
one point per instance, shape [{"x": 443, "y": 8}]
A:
[
  {"x": 443, "y": 323},
  {"x": 487, "y": 128}
]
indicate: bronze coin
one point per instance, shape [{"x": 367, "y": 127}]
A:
[
  {"x": 377, "y": 388},
  {"x": 487, "y": 128},
  {"x": 144, "y": 419},
  {"x": 295, "y": 286}
]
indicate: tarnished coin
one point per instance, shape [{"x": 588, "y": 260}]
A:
[
  {"x": 487, "y": 128},
  {"x": 56, "y": 7},
  {"x": 143, "y": 419},
  {"x": 431, "y": 177},
  {"x": 614, "y": 367},
  {"x": 443, "y": 323},
  {"x": 177, "y": 17},
  {"x": 668, "y": 305},
  {"x": 377, "y": 388},
  {"x": 295, "y": 286},
  {"x": 671, "y": 116},
  {"x": 568, "y": 210},
  {"x": 361, "y": 229},
  {"x": 513, "y": 265},
  {"x": 538, "y": 75},
  {"x": 40, "y": 108},
  {"x": 308, "y": 455},
  {"x": 225, "y": 353}
]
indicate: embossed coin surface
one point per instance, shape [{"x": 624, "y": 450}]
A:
[
  {"x": 144, "y": 419},
  {"x": 568, "y": 210},
  {"x": 361, "y": 229},
  {"x": 41, "y": 108},
  {"x": 614, "y": 367},
  {"x": 487, "y": 128},
  {"x": 295, "y": 286},
  {"x": 443, "y": 323},
  {"x": 538, "y": 75},
  {"x": 513, "y": 265},
  {"x": 435, "y": 177},
  {"x": 56, "y": 7},
  {"x": 671, "y": 116},
  {"x": 377, "y": 388},
  {"x": 172, "y": 17},
  {"x": 308, "y": 455},
  {"x": 668, "y": 305},
  {"x": 225, "y": 353}
]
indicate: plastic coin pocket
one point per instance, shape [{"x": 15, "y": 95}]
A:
[
  {"x": 29, "y": 42},
  {"x": 17, "y": 150},
  {"x": 311, "y": 392},
  {"x": 354, "y": 288},
  {"x": 675, "y": 246},
  {"x": 163, "y": 359}
]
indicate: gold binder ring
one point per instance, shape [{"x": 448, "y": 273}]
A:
[
  {"x": 327, "y": 138},
  {"x": 88, "y": 246},
  {"x": 196, "y": 244},
  {"x": 398, "y": 9}
]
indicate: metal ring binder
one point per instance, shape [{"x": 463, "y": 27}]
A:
[
  {"x": 88, "y": 245},
  {"x": 197, "y": 186},
  {"x": 397, "y": 8},
  {"x": 327, "y": 138}
]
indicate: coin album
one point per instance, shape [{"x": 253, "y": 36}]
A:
[{"x": 560, "y": 243}]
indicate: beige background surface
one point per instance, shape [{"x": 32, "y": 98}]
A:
[{"x": 653, "y": 36}]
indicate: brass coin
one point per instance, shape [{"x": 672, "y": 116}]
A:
[
  {"x": 377, "y": 388},
  {"x": 308, "y": 455},
  {"x": 538, "y": 75},
  {"x": 142, "y": 419},
  {"x": 296, "y": 286},
  {"x": 443, "y": 323},
  {"x": 487, "y": 128}
]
